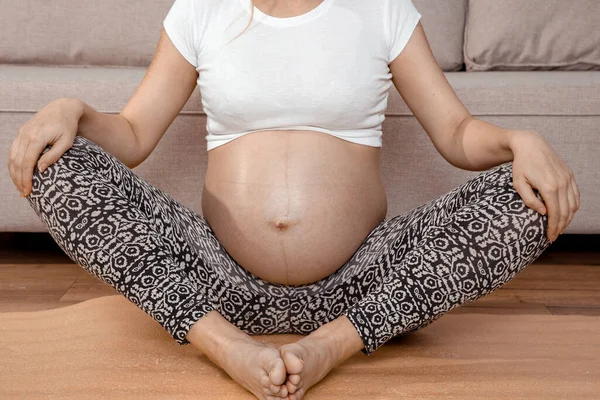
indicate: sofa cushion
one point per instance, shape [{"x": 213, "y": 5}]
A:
[
  {"x": 125, "y": 33},
  {"x": 29, "y": 88},
  {"x": 81, "y": 32},
  {"x": 544, "y": 93},
  {"x": 563, "y": 106},
  {"x": 532, "y": 35},
  {"x": 444, "y": 23}
]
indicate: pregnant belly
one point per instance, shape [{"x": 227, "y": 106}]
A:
[{"x": 292, "y": 207}]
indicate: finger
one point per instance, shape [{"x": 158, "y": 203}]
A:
[
  {"x": 563, "y": 204},
  {"x": 576, "y": 192},
  {"x": 14, "y": 175},
  {"x": 51, "y": 156},
  {"x": 29, "y": 160},
  {"x": 550, "y": 196},
  {"x": 18, "y": 163},
  {"x": 12, "y": 160},
  {"x": 528, "y": 196},
  {"x": 572, "y": 203}
]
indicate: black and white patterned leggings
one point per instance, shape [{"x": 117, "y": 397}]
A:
[{"x": 163, "y": 257}]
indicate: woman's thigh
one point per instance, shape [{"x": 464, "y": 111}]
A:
[{"x": 99, "y": 212}]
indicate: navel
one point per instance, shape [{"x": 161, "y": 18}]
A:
[{"x": 281, "y": 224}]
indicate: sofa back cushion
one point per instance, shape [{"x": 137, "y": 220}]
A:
[
  {"x": 532, "y": 35},
  {"x": 81, "y": 32},
  {"x": 444, "y": 24},
  {"x": 125, "y": 32}
]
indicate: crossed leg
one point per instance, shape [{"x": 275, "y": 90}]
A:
[
  {"x": 162, "y": 257},
  {"x": 450, "y": 251}
]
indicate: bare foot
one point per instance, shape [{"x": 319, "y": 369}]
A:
[
  {"x": 307, "y": 362},
  {"x": 257, "y": 366}
]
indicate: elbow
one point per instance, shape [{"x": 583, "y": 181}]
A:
[
  {"x": 134, "y": 162},
  {"x": 131, "y": 159},
  {"x": 131, "y": 165},
  {"x": 138, "y": 155},
  {"x": 461, "y": 124}
]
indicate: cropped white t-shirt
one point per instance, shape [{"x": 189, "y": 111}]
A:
[{"x": 325, "y": 70}]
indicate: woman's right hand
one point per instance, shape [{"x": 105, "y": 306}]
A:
[{"x": 55, "y": 125}]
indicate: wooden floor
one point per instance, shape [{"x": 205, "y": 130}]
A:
[{"x": 36, "y": 275}]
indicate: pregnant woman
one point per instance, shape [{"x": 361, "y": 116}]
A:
[{"x": 293, "y": 236}]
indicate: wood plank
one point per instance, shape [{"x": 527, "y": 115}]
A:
[
  {"x": 33, "y": 289},
  {"x": 538, "y": 310},
  {"x": 30, "y": 305},
  {"x": 84, "y": 289},
  {"x": 41, "y": 271},
  {"x": 594, "y": 311},
  {"x": 509, "y": 297},
  {"x": 557, "y": 277}
]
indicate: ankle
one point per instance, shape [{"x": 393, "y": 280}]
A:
[
  {"x": 324, "y": 348},
  {"x": 213, "y": 334},
  {"x": 339, "y": 338}
]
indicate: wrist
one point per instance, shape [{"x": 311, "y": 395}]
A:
[
  {"x": 516, "y": 138},
  {"x": 71, "y": 106}
]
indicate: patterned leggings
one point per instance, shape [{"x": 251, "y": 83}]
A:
[{"x": 163, "y": 257}]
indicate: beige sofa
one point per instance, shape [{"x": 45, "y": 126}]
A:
[{"x": 98, "y": 52}]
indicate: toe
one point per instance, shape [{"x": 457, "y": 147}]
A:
[
  {"x": 291, "y": 387},
  {"x": 294, "y": 379},
  {"x": 299, "y": 395},
  {"x": 278, "y": 372},
  {"x": 284, "y": 391},
  {"x": 275, "y": 389},
  {"x": 293, "y": 361},
  {"x": 265, "y": 381}
]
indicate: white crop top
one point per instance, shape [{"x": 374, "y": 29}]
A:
[{"x": 325, "y": 70}]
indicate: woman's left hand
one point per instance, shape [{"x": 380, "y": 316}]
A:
[{"x": 537, "y": 165}]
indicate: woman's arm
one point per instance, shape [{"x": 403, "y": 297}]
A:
[
  {"x": 130, "y": 136},
  {"x": 472, "y": 144},
  {"x": 463, "y": 140},
  {"x": 134, "y": 133}
]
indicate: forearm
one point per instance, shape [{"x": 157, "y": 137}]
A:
[
  {"x": 111, "y": 132},
  {"x": 478, "y": 145}
]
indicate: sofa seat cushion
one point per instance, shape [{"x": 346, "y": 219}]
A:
[
  {"x": 520, "y": 93},
  {"x": 29, "y": 88},
  {"x": 563, "y": 106}
]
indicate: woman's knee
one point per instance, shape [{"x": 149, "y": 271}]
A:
[
  {"x": 79, "y": 160},
  {"x": 499, "y": 183},
  {"x": 499, "y": 177},
  {"x": 61, "y": 181},
  {"x": 532, "y": 225}
]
